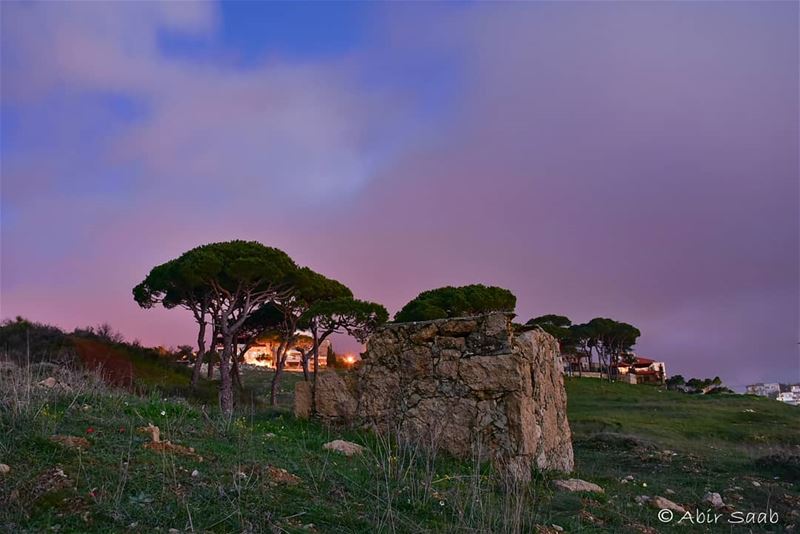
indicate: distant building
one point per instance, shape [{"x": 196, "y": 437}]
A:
[
  {"x": 636, "y": 370},
  {"x": 264, "y": 350},
  {"x": 764, "y": 390},
  {"x": 641, "y": 370},
  {"x": 788, "y": 393}
]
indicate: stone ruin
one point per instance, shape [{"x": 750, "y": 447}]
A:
[{"x": 469, "y": 386}]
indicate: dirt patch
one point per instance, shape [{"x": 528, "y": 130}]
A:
[
  {"x": 113, "y": 365},
  {"x": 72, "y": 442},
  {"x": 279, "y": 476},
  {"x": 166, "y": 446}
]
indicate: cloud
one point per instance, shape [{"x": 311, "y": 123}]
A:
[{"x": 626, "y": 160}]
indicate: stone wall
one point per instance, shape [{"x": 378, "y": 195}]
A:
[{"x": 468, "y": 386}]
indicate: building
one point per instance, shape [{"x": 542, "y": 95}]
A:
[
  {"x": 636, "y": 370},
  {"x": 792, "y": 396},
  {"x": 641, "y": 370},
  {"x": 263, "y": 351},
  {"x": 771, "y": 390}
]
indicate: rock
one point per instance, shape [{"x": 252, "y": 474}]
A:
[
  {"x": 458, "y": 384},
  {"x": 576, "y": 484},
  {"x": 154, "y": 431},
  {"x": 669, "y": 491},
  {"x": 663, "y": 503},
  {"x": 49, "y": 382},
  {"x": 641, "y": 499},
  {"x": 334, "y": 402},
  {"x": 278, "y": 475},
  {"x": 4, "y": 469},
  {"x": 756, "y": 484},
  {"x": 195, "y": 473},
  {"x": 714, "y": 499},
  {"x": 71, "y": 442},
  {"x": 348, "y": 448},
  {"x": 302, "y": 400}
]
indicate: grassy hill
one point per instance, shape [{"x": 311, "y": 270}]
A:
[{"x": 267, "y": 472}]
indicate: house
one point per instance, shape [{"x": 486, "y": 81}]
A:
[
  {"x": 263, "y": 351},
  {"x": 771, "y": 390},
  {"x": 635, "y": 370},
  {"x": 792, "y": 396},
  {"x": 639, "y": 370}
]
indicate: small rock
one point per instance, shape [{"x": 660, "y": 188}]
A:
[
  {"x": 714, "y": 499},
  {"x": 669, "y": 491},
  {"x": 576, "y": 484},
  {"x": 4, "y": 468},
  {"x": 269, "y": 435},
  {"x": 195, "y": 473},
  {"x": 48, "y": 382},
  {"x": 756, "y": 484},
  {"x": 641, "y": 499},
  {"x": 665, "y": 504},
  {"x": 348, "y": 448},
  {"x": 559, "y": 528}
]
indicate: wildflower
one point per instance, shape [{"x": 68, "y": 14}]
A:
[
  {"x": 89, "y": 430},
  {"x": 163, "y": 412},
  {"x": 122, "y": 430},
  {"x": 441, "y": 503}
]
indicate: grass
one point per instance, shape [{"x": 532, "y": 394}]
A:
[{"x": 668, "y": 441}]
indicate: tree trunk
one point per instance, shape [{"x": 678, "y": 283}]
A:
[
  {"x": 315, "y": 351},
  {"x": 280, "y": 360},
  {"x": 235, "y": 374},
  {"x": 201, "y": 351},
  {"x": 225, "y": 389},
  {"x": 305, "y": 357}
]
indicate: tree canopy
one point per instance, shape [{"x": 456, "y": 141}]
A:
[
  {"x": 555, "y": 325},
  {"x": 461, "y": 301}
]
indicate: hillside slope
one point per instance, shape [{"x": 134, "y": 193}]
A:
[{"x": 267, "y": 472}]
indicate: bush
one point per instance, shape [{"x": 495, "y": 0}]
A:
[
  {"x": 462, "y": 301},
  {"x": 21, "y": 339}
]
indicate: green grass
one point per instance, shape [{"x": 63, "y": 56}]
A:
[{"x": 118, "y": 485}]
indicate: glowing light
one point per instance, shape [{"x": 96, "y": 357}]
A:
[{"x": 349, "y": 359}]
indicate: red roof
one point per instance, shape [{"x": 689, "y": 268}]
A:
[{"x": 642, "y": 361}]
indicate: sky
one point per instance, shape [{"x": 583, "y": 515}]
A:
[{"x": 621, "y": 159}]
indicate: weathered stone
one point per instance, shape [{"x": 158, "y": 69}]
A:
[
  {"x": 457, "y": 327},
  {"x": 662, "y": 503},
  {"x": 334, "y": 401},
  {"x": 348, "y": 448},
  {"x": 302, "y": 400},
  {"x": 468, "y": 386},
  {"x": 576, "y": 484},
  {"x": 491, "y": 393},
  {"x": 714, "y": 499},
  {"x": 4, "y": 468}
]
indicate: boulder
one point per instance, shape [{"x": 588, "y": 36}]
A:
[
  {"x": 663, "y": 503},
  {"x": 469, "y": 386},
  {"x": 714, "y": 499},
  {"x": 576, "y": 484},
  {"x": 348, "y": 448},
  {"x": 302, "y": 400}
]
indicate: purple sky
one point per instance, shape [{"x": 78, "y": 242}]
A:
[{"x": 631, "y": 160}]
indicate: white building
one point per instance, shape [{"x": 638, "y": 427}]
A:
[
  {"x": 764, "y": 390},
  {"x": 790, "y": 397}
]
